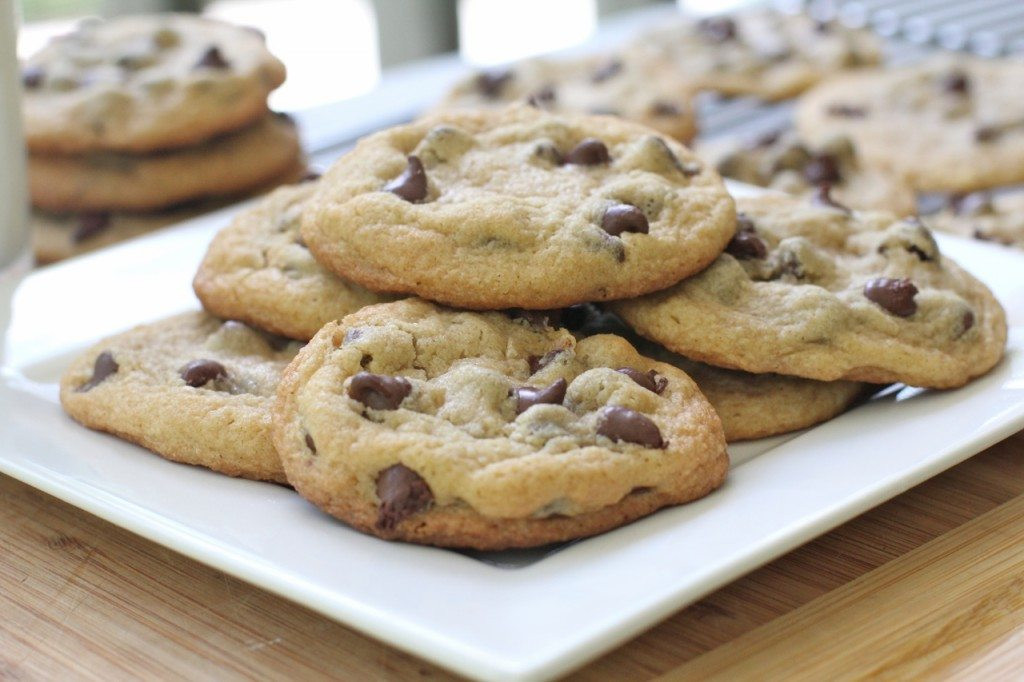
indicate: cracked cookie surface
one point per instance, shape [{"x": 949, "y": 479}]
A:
[
  {"x": 192, "y": 388},
  {"x": 415, "y": 422},
  {"x": 518, "y": 208},
  {"x": 818, "y": 292},
  {"x": 646, "y": 89},
  {"x": 230, "y": 164},
  {"x": 142, "y": 83},
  {"x": 258, "y": 270},
  {"x": 944, "y": 125},
  {"x": 764, "y": 53}
]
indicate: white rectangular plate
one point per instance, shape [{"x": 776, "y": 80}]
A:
[{"x": 515, "y": 616}]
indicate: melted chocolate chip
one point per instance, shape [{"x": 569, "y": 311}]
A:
[
  {"x": 411, "y": 185},
  {"x": 717, "y": 29},
  {"x": 32, "y": 77},
  {"x": 649, "y": 380},
  {"x": 104, "y": 366},
  {"x": 589, "y": 152},
  {"x": 967, "y": 321},
  {"x": 527, "y": 396},
  {"x": 538, "y": 363},
  {"x": 542, "y": 98},
  {"x": 895, "y": 295},
  {"x": 198, "y": 373},
  {"x": 847, "y": 111},
  {"x": 213, "y": 59},
  {"x": 606, "y": 71},
  {"x": 623, "y": 424},
  {"x": 90, "y": 225},
  {"x": 823, "y": 169},
  {"x": 377, "y": 391},
  {"x": 745, "y": 243},
  {"x": 823, "y": 197},
  {"x": 310, "y": 444},
  {"x": 665, "y": 108},
  {"x": 491, "y": 83},
  {"x": 402, "y": 493},
  {"x": 955, "y": 82},
  {"x": 624, "y": 218}
]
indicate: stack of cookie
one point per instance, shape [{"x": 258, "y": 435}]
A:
[
  {"x": 506, "y": 404},
  {"x": 139, "y": 122}
]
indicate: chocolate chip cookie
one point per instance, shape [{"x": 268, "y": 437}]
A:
[
  {"x": 518, "y": 207},
  {"x": 142, "y": 83},
  {"x": 950, "y": 124},
  {"x": 641, "y": 87},
  {"x": 780, "y": 160},
  {"x": 191, "y": 388},
  {"x": 749, "y": 405},
  {"x": 992, "y": 216},
  {"x": 764, "y": 53},
  {"x": 231, "y": 164},
  {"x": 816, "y": 291},
  {"x": 259, "y": 270},
  {"x": 419, "y": 423}
]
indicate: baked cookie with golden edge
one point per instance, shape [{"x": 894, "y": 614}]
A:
[
  {"x": 191, "y": 388},
  {"x": 141, "y": 83},
  {"x": 414, "y": 422},
  {"x": 951, "y": 125},
  {"x": 819, "y": 292},
  {"x": 760, "y": 52},
  {"x": 993, "y": 216},
  {"x": 644, "y": 88},
  {"x": 231, "y": 164},
  {"x": 259, "y": 270},
  {"x": 56, "y": 236},
  {"x": 780, "y": 160},
  {"x": 518, "y": 207},
  {"x": 749, "y": 405}
]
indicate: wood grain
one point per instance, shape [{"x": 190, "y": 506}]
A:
[{"x": 83, "y": 598}]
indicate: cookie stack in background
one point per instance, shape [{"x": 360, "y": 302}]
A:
[
  {"x": 506, "y": 404},
  {"x": 139, "y": 122}
]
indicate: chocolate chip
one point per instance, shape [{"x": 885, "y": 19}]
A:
[
  {"x": 717, "y": 29},
  {"x": 199, "y": 372},
  {"x": 377, "y": 391},
  {"x": 606, "y": 71},
  {"x": 665, "y": 108},
  {"x": 402, "y": 493},
  {"x": 589, "y": 152},
  {"x": 491, "y": 83},
  {"x": 537, "y": 363},
  {"x": 527, "y": 396},
  {"x": 90, "y": 225},
  {"x": 987, "y": 133},
  {"x": 213, "y": 59},
  {"x": 745, "y": 243},
  {"x": 624, "y": 218},
  {"x": 623, "y": 424},
  {"x": 310, "y": 444},
  {"x": 32, "y": 77},
  {"x": 955, "y": 82},
  {"x": 823, "y": 169},
  {"x": 649, "y": 380},
  {"x": 847, "y": 111},
  {"x": 967, "y": 321},
  {"x": 104, "y": 366},
  {"x": 411, "y": 185},
  {"x": 823, "y": 197},
  {"x": 541, "y": 98},
  {"x": 895, "y": 295}
]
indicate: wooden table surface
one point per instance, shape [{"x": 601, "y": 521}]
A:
[{"x": 929, "y": 584}]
